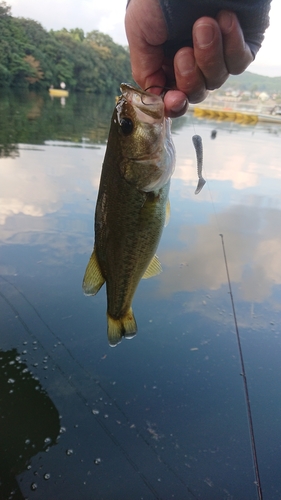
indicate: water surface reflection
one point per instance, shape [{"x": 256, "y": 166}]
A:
[{"x": 163, "y": 415}]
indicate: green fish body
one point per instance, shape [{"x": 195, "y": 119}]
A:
[{"x": 132, "y": 205}]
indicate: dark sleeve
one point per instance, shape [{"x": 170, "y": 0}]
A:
[{"x": 180, "y": 15}]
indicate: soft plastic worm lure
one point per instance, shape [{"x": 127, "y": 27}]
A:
[{"x": 197, "y": 141}]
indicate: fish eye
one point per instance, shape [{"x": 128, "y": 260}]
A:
[{"x": 126, "y": 125}]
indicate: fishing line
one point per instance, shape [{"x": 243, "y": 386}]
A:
[
  {"x": 197, "y": 141},
  {"x": 199, "y": 152},
  {"x": 246, "y": 391}
]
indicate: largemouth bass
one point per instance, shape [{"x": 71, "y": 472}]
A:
[{"x": 131, "y": 206}]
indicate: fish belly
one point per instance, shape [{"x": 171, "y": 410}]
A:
[{"x": 127, "y": 236}]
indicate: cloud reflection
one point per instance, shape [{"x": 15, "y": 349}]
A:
[
  {"x": 241, "y": 157},
  {"x": 38, "y": 190},
  {"x": 39, "y": 183},
  {"x": 253, "y": 247},
  {"x": 241, "y": 200}
]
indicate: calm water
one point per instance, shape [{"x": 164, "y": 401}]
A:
[{"x": 161, "y": 416}]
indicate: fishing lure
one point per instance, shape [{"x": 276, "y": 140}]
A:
[{"x": 197, "y": 141}]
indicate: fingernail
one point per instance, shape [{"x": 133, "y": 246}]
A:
[
  {"x": 204, "y": 35},
  {"x": 185, "y": 65},
  {"x": 179, "y": 107},
  {"x": 226, "y": 21}
]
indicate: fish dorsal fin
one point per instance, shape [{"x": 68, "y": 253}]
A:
[
  {"x": 153, "y": 269},
  {"x": 168, "y": 212},
  {"x": 93, "y": 279}
]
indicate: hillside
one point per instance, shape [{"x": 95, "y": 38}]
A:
[{"x": 253, "y": 82}]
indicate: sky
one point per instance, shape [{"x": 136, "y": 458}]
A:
[{"x": 108, "y": 17}]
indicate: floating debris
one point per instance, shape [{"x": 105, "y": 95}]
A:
[{"x": 152, "y": 431}]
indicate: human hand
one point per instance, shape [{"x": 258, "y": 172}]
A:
[{"x": 218, "y": 50}]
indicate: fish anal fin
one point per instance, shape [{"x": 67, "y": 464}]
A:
[
  {"x": 153, "y": 269},
  {"x": 168, "y": 213},
  {"x": 122, "y": 327},
  {"x": 93, "y": 278}
]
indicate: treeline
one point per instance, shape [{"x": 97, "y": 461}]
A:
[
  {"x": 33, "y": 118},
  {"x": 253, "y": 82},
  {"x": 32, "y": 57}
]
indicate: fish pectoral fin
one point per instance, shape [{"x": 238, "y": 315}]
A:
[
  {"x": 93, "y": 279},
  {"x": 168, "y": 213},
  {"x": 153, "y": 269},
  {"x": 121, "y": 327},
  {"x": 201, "y": 183}
]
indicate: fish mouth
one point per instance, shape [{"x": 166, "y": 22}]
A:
[
  {"x": 145, "y": 158},
  {"x": 148, "y": 107}
]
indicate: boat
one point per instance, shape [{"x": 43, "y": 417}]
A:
[{"x": 58, "y": 92}]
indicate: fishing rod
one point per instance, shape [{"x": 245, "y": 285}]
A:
[
  {"x": 246, "y": 391},
  {"x": 197, "y": 141}
]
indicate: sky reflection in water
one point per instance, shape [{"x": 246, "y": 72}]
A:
[{"x": 163, "y": 415}]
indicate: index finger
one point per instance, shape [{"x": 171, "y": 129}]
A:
[{"x": 146, "y": 42}]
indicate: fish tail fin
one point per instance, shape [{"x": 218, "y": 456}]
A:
[
  {"x": 201, "y": 183},
  {"x": 122, "y": 327}
]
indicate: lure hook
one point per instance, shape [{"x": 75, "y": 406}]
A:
[{"x": 164, "y": 89}]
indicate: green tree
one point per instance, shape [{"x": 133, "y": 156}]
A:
[
  {"x": 31, "y": 56},
  {"x": 77, "y": 34}
]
